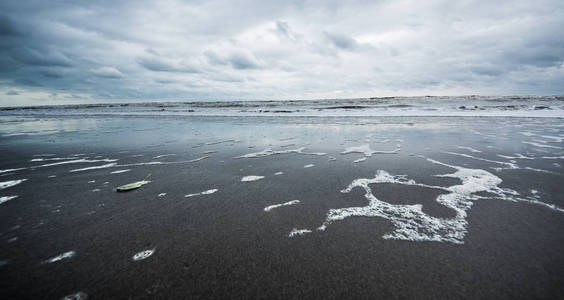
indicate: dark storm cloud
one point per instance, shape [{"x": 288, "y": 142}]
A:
[
  {"x": 7, "y": 27},
  {"x": 290, "y": 49},
  {"x": 41, "y": 57}
]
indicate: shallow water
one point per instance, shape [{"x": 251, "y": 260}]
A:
[{"x": 380, "y": 197}]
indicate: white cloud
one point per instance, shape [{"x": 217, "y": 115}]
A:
[{"x": 281, "y": 50}]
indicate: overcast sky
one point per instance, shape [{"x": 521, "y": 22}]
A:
[{"x": 124, "y": 51}]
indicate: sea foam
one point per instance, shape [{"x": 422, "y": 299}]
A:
[
  {"x": 411, "y": 223},
  {"x": 271, "y": 207}
]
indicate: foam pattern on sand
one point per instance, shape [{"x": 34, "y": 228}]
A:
[
  {"x": 554, "y": 139},
  {"x": 269, "y": 152},
  {"x": 541, "y": 145},
  {"x": 251, "y": 178},
  {"x": 11, "y": 170},
  {"x": 77, "y": 161},
  {"x": 411, "y": 223},
  {"x": 296, "y": 232},
  {"x": 7, "y": 198},
  {"x": 367, "y": 151},
  {"x": 208, "y": 192},
  {"x": 10, "y": 183},
  {"x": 110, "y": 165},
  {"x": 61, "y": 256},
  {"x": 271, "y": 207},
  {"x": 76, "y": 296},
  {"x": 143, "y": 254},
  {"x": 512, "y": 165},
  {"x": 120, "y": 171},
  {"x": 469, "y": 149}
]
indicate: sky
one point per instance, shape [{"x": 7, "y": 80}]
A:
[{"x": 63, "y": 52}]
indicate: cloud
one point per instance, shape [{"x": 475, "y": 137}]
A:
[
  {"x": 7, "y": 27},
  {"x": 242, "y": 61},
  {"x": 160, "y": 64},
  {"x": 27, "y": 82},
  {"x": 107, "y": 72},
  {"x": 12, "y": 93},
  {"x": 278, "y": 49},
  {"x": 341, "y": 41},
  {"x": 237, "y": 59},
  {"x": 42, "y": 57}
]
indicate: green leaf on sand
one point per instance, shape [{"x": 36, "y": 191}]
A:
[{"x": 133, "y": 185}]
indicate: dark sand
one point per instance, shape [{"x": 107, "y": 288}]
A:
[{"x": 224, "y": 245}]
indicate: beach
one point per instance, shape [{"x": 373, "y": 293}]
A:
[{"x": 281, "y": 207}]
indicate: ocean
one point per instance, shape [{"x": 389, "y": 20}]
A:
[{"x": 413, "y": 197}]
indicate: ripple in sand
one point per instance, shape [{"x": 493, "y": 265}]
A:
[
  {"x": 251, "y": 178},
  {"x": 143, "y": 254}
]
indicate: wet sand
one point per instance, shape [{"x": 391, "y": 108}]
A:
[{"x": 223, "y": 244}]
